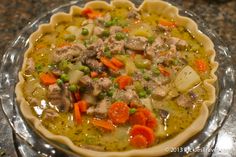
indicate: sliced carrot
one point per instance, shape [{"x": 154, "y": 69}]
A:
[
  {"x": 77, "y": 115},
  {"x": 145, "y": 131},
  {"x": 40, "y": 46},
  {"x": 117, "y": 62},
  {"x": 138, "y": 118},
  {"x": 139, "y": 141},
  {"x": 94, "y": 74},
  {"x": 201, "y": 65},
  {"x": 151, "y": 122},
  {"x": 108, "y": 63},
  {"x": 82, "y": 106},
  {"x": 105, "y": 124},
  {"x": 164, "y": 22},
  {"x": 87, "y": 11},
  {"x": 119, "y": 113},
  {"x": 124, "y": 81},
  {"x": 65, "y": 44},
  {"x": 47, "y": 78},
  {"x": 90, "y": 13},
  {"x": 103, "y": 74},
  {"x": 126, "y": 30},
  {"x": 94, "y": 15},
  {"x": 133, "y": 54},
  {"x": 145, "y": 111},
  {"x": 77, "y": 95},
  {"x": 164, "y": 71}
]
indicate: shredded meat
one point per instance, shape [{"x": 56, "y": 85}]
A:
[
  {"x": 176, "y": 42},
  {"x": 162, "y": 80},
  {"x": 114, "y": 45},
  {"x": 160, "y": 92},
  {"x": 94, "y": 49},
  {"x": 133, "y": 14},
  {"x": 30, "y": 66},
  {"x": 98, "y": 31},
  {"x": 60, "y": 97},
  {"x": 115, "y": 29},
  {"x": 100, "y": 110},
  {"x": 136, "y": 43},
  {"x": 70, "y": 53},
  {"x": 86, "y": 81},
  {"x": 50, "y": 114},
  {"x": 153, "y": 49},
  {"x": 104, "y": 83},
  {"x": 95, "y": 65},
  {"x": 126, "y": 95},
  {"x": 184, "y": 100}
]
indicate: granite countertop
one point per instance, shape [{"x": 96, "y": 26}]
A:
[{"x": 220, "y": 16}]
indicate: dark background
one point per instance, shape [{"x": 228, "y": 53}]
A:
[{"x": 219, "y": 15}]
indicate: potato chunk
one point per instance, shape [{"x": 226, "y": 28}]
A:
[{"x": 186, "y": 79}]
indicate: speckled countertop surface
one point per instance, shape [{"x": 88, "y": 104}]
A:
[{"x": 220, "y": 16}]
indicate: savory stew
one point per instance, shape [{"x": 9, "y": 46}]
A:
[{"x": 116, "y": 80}]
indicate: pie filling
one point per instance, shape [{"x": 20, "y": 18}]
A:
[{"x": 116, "y": 80}]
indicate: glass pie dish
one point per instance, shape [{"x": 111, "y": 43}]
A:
[{"x": 13, "y": 58}]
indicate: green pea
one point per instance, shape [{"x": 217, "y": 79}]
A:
[
  {"x": 156, "y": 71},
  {"x": 151, "y": 39},
  {"x": 101, "y": 95},
  {"x": 64, "y": 77},
  {"x": 110, "y": 92},
  {"x": 120, "y": 36},
  {"x": 105, "y": 33},
  {"x": 82, "y": 89},
  {"x": 85, "y": 69},
  {"x": 175, "y": 61},
  {"x": 38, "y": 67},
  {"x": 146, "y": 77},
  {"x": 107, "y": 54},
  {"x": 142, "y": 94},
  {"x": 108, "y": 23},
  {"x": 64, "y": 65},
  {"x": 85, "y": 31},
  {"x": 59, "y": 81},
  {"x": 73, "y": 88},
  {"x": 116, "y": 85},
  {"x": 138, "y": 86},
  {"x": 132, "y": 110},
  {"x": 69, "y": 37}
]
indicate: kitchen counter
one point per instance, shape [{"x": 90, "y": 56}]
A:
[{"x": 219, "y": 16}]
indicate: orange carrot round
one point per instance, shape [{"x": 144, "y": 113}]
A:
[
  {"x": 118, "y": 112},
  {"x": 138, "y": 118},
  {"x": 139, "y": 141},
  {"x": 145, "y": 131},
  {"x": 151, "y": 122}
]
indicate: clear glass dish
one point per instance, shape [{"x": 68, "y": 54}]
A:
[{"x": 31, "y": 143}]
